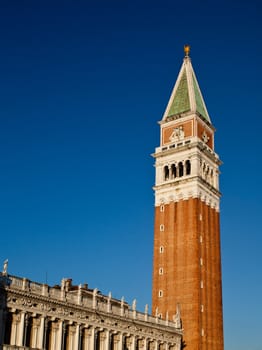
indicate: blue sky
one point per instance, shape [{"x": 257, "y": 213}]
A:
[{"x": 82, "y": 86}]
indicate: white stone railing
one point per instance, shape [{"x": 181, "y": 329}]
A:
[{"x": 87, "y": 299}]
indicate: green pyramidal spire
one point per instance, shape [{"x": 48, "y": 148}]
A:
[{"x": 186, "y": 95}]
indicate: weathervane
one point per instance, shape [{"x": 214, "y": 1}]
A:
[{"x": 186, "y": 50}]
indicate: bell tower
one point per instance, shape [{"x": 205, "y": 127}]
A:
[{"x": 187, "y": 261}]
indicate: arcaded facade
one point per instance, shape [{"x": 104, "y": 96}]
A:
[{"x": 68, "y": 317}]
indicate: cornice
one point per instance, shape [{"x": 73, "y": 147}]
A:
[
  {"x": 55, "y": 309},
  {"x": 192, "y": 146}
]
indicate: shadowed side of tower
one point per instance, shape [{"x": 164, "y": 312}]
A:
[{"x": 187, "y": 260}]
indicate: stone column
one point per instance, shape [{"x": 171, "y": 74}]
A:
[
  {"x": 131, "y": 342},
  {"x": 93, "y": 339},
  {"x": 55, "y": 336},
  {"x": 14, "y": 328},
  {"x": 144, "y": 344},
  {"x": 116, "y": 341},
  {"x": 59, "y": 335},
  {"x": 108, "y": 339},
  {"x": 72, "y": 334},
  {"x": 21, "y": 329},
  {"x": 103, "y": 340},
  {"x": 36, "y": 322},
  {"x": 88, "y": 335},
  {"x": 105, "y": 337},
  {"x": 40, "y": 337},
  {"x": 77, "y": 337},
  {"x": 120, "y": 343}
]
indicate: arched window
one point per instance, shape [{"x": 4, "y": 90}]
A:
[
  {"x": 180, "y": 169},
  {"x": 166, "y": 173},
  {"x": 188, "y": 167},
  {"x": 173, "y": 171}
]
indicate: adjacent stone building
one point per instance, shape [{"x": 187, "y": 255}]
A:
[{"x": 69, "y": 317}]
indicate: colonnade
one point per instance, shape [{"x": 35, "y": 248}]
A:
[
  {"x": 209, "y": 174},
  {"x": 49, "y": 333},
  {"x": 177, "y": 169}
]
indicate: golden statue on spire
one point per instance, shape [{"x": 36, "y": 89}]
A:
[{"x": 186, "y": 50}]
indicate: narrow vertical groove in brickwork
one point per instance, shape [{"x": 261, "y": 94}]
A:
[
  {"x": 208, "y": 274},
  {"x": 213, "y": 329}
]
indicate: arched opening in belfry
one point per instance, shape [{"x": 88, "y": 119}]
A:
[
  {"x": 203, "y": 170},
  {"x": 188, "y": 167},
  {"x": 207, "y": 174},
  {"x": 166, "y": 172},
  {"x": 212, "y": 177},
  {"x": 180, "y": 169},
  {"x": 173, "y": 171}
]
